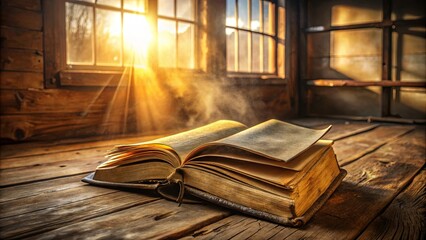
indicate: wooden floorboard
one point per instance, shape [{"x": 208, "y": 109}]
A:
[
  {"x": 58, "y": 215},
  {"x": 405, "y": 217},
  {"x": 42, "y": 197},
  {"x": 156, "y": 220}
]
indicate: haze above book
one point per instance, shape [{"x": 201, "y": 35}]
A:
[{"x": 274, "y": 170}]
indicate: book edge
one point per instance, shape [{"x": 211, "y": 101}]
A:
[{"x": 293, "y": 222}]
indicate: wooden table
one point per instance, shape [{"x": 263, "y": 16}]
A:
[{"x": 383, "y": 195}]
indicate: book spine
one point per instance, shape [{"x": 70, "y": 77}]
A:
[{"x": 293, "y": 222}]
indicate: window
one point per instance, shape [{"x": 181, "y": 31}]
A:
[
  {"x": 255, "y": 33},
  {"x": 176, "y": 33},
  {"x": 117, "y": 33}
]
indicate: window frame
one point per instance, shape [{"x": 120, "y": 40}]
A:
[
  {"x": 263, "y": 74},
  {"x": 210, "y": 50},
  {"x": 58, "y": 73}
]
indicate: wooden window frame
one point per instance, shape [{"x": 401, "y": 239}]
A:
[
  {"x": 272, "y": 76},
  {"x": 210, "y": 52},
  {"x": 56, "y": 71}
]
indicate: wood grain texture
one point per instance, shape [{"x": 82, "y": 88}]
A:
[
  {"x": 21, "y": 60},
  {"x": 21, "y": 18},
  {"x": 46, "y": 171},
  {"x": 371, "y": 184},
  {"x": 40, "y": 188},
  {"x": 405, "y": 216},
  {"x": 57, "y": 125},
  {"x": 156, "y": 220},
  {"x": 34, "y": 149},
  {"x": 35, "y": 101},
  {"x": 35, "y": 203},
  {"x": 21, "y": 38},
  {"x": 350, "y": 149},
  {"x": 34, "y": 5},
  {"x": 55, "y": 216},
  {"x": 19, "y": 80}
]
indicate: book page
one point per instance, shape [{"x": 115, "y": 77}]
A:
[
  {"x": 273, "y": 139},
  {"x": 182, "y": 143},
  {"x": 238, "y": 154}
]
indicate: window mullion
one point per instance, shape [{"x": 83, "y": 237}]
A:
[{"x": 95, "y": 54}]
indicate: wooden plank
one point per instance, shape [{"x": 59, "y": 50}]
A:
[
  {"x": 34, "y": 5},
  {"x": 81, "y": 101},
  {"x": 340, "y": 131},
  {"x": 156, "y": 220},
  {"x": 237, "y": 227},
  {"x": 353, "y": 83},
  {"x": 404, "y": 218},
  {"x": 20, "y": 18},
  {"x": 352, "y": 148},
  {"x": 19, "y": 80},
  {"x": 21, "y": 38},
  {"x": 33, "y": 149},
  {"x": 22, "y": 206},
  {"x": 57, "y": 125},
  {"x": 21, "y": 60},
  {"x": 38, "y": 172},
  {"x": 39, "y": 188},
  {"x": 371, "y": 184},
  {"x": 55, "y": 216},
  {"x": 85, "y": 155}
]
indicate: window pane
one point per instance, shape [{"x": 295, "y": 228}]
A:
[
  {"x": 185, "y": 9},
  {"x": 137, "y": 36},
  {"x": 230, "y": 49},
  {"x": 257, "y": 64},
  {"x": 255, "y": 15},
  {"x": 108, "y": 37},
  {"x": 166, "y": 8},
  {"x": 243, "y": 10},
  {"x": 186, "y": 45},
  {"x": 281, "y": 23},
  {"x": 268, "y": 54},
  {"x": 243, "y": 51},
  {"x": 166, "y": 43},
  {"x": 281, "y": 60},
  {"x": 135, "y": 5},
  {"x": 230, "y": 13},
  {"x": 268, "y": 18},
  {"x": 114, "y": 3},
  {"x": 79, "y": 31}
]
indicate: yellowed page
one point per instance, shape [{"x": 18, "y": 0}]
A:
[
  {"x": 175, "y": 147},
  {"x": 238, "y": 178},
  {"x": 237, "y": 154},
  {"x": 274, "y": 139}
]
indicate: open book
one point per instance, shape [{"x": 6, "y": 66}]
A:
[{"x": 275, "y": 170}]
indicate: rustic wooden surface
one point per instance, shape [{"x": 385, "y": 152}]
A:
[{"x": 382, "y": 197}]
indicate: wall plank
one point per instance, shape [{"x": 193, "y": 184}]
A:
[
  {"x": 21, "y": 60},
  {"x": 15, "y": 17},
  {"x": 19, "y": 80},
  {"x": 79, "y": 101},
  {"x": 34, "y": 5},
  {"x": 21, "y": 38},
  {"x": 59, "y": 125}
]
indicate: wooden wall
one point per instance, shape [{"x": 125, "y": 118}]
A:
[
  {"x": 30, "y": 111},
  {"x": 366, "y": 41}
]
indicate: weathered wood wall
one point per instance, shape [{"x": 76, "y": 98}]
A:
[{"x": 31, "y": 111}]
